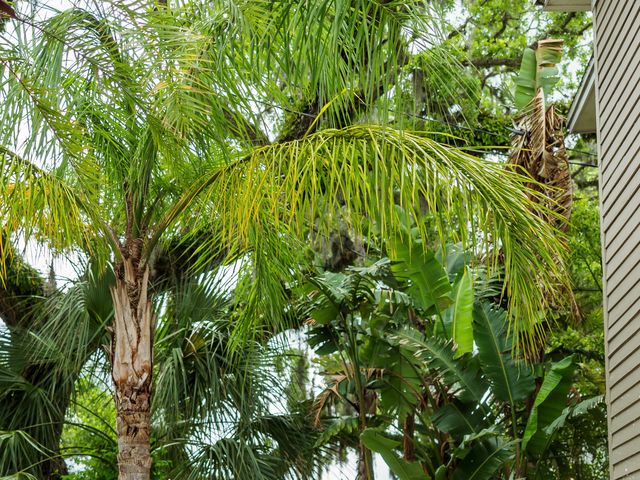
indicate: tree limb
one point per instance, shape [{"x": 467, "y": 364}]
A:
[{"x": 490, "y": 62}]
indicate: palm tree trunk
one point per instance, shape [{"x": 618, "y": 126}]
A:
[{"x": 132, "y": 368}]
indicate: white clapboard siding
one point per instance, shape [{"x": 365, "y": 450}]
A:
[{"x": 617, "y": 43}]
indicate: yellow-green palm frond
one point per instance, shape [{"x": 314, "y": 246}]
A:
[
  {"x": 375, "y": 177},
  {"x": 41, "y": 205}
]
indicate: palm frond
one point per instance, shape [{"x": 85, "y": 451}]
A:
[
  {"x": 542, "y": 154},
  {"x": 371, "y": 173},
  {"x": 39, "y": 204}
]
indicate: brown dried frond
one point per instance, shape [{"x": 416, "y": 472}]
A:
[{"x": 540, "y": 151}]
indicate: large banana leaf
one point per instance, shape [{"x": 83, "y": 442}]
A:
[
  {"x": 511, "y": 380},
  {"x": 458, "y": 419},
  {"x": 429, "y": 281},
  {"x": 401, "y": 387},
  {"x": 549, "y": 405},
  {"x": 462, "y": 314},
  {"x": 526, "y": 80},
  {"x": 377, "y": 442},
  {"x": 549, "y": 52},
  {"x": 548, "y": 55},
  {"x": 538, "y": 71},
  {"x": 483, "y": 460},
  {"x": 454, "y": 258}
]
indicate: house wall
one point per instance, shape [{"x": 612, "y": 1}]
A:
[{"x": 617, "y": 43}]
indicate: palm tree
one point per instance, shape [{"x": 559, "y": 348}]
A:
[
  {"x": 39, "y": 369},
  {"x": 48, "y": 370},
  {"x": 34, "y": 395},
  {"x": 127, "y": 128}
]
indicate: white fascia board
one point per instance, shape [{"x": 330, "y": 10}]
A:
[
  {"x": 566, "y": 5},
  {"x": 582, "y": 115}
]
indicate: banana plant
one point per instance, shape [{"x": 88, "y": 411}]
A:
[
  {"x": 538, "y": 72},
  {"x": 352, "y": 315},
  {"x": 431, "y": 405},
  {"x": 538, "y": 145},
  {"x": 496, "y": 420}
]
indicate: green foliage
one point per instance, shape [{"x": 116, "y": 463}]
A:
[
  {"x": 379, "y": 443},
  {"x": 429, "y": 282},
  {"x": 17, "y": 449},
  {"x": 494, "y": 33},
  {"x": 396, "y": 358},
  {"x": 89, "y": 437},
  {"x": 538, "y": 72},
  {"x": 185, "y": 136},
  {"x": 461, "y": 311},
  {"x": 526, "y": 83},
  {"x": 549, "y": 405},
  {"x": 573, "y": 411},
  {"x": 483, "y": 460},
  {"x": 338, "y": 429},
  {"x": 511, "y": 379},
  {"x": 438, "y": 355}
]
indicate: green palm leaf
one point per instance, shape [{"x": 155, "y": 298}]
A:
[{"x": 368, "y": 170}]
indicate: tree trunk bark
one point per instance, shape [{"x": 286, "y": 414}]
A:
[
  {"x": 407, "y": 437},
  {"x": 132, "y": 368},
  {"x": 366, "y": 405}
]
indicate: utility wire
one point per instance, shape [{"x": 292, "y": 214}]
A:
[
  {"x": 503, "y": 154},
  {"x": 488, "y": 132},
  {"x": 449, "y": 124}
]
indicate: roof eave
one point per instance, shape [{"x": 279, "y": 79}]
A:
[
  {"x": 565, "y": 5},
  {"x": 582, "y": 114}
]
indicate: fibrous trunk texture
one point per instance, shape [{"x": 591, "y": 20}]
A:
[
  {"x": 365, "y": 463},
  {"x": 132, "y": 367}
]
